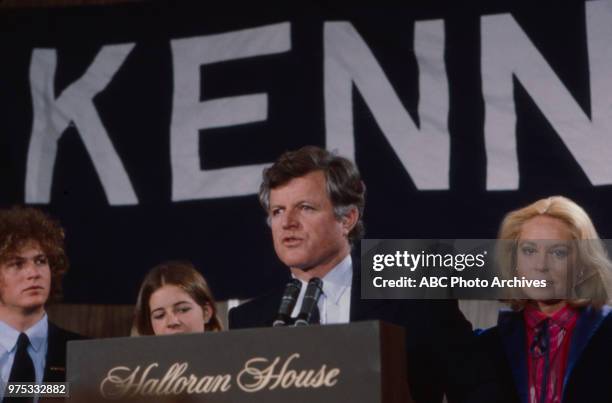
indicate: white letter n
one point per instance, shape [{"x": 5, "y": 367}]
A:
[
  {"x": 508, "y": 52},
  {"x": 424, "y": 151}
]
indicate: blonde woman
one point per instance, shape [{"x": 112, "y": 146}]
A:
[{"x": 555, "y": 345}]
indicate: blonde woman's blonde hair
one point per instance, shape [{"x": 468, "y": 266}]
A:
[{"x": 595, "y": 268}]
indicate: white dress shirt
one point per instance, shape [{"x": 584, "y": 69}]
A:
[
  {"x": 335, "y": 302},
  {"x": 37, "y": 349}
]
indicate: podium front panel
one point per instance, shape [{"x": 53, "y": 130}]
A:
[{"x": 332, "y": 363}]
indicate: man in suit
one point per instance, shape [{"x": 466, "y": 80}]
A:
[
  {"x": 32, "y": 262},
  {"x": 315, "y": 201}
]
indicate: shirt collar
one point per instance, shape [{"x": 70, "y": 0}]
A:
[
  {"x": 37, "y": 334},
  {"x": 338, "y": 280},
  {"x": 8, "y": 336},
  {"x": 564, "y": 317}
]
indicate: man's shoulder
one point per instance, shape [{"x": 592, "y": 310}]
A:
[
  {"x": 258, "y": 312},
  {"x": 488, "y": 337},
  {"x": 55, "y": 367},
  {"x": 59, "y": 334}
]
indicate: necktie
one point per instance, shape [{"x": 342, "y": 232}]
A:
[
  {"x": 541, "y": 347},
  {"x": 23, "y": 367},
  {"x": 315, "y": 319}
]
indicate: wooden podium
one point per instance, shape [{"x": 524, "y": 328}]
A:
[{"x": 357, "y": 362}]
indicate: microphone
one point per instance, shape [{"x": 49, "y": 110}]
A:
[
  {"x": 313, "y": 293},
  {"x": 290, "y": 296}
]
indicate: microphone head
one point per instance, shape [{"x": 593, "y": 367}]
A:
[
  {"x": 311, "y": 298},
  {"x": 290, "y": 295},
  {"x": 316, "y": 282}
]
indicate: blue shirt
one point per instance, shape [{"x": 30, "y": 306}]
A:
[{"x": 38, "y": 335}]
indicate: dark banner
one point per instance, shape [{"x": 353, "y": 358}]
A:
[{"x": 145, "y": 127}]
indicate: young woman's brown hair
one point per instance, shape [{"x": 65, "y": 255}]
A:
[{"x": 183, "y": 275}]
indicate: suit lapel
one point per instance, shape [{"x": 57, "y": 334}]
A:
[
  {"x": 589, "y": 321},
  {"x": 362, "y": 309},
  {"x": 513, "y": 336},
  {"x": 55, "y": 363}
]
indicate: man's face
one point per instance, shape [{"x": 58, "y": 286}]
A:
[
  {"x": 25, "y": 279},
  {"x": 305, "y": 231}
]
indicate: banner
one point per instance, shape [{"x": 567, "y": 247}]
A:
[{"x": 144, "y": 128}]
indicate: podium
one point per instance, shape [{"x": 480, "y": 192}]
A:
[{"x": 357, "y": 362}]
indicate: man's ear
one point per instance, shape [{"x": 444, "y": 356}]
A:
[{"x": 349, "y": 220}]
